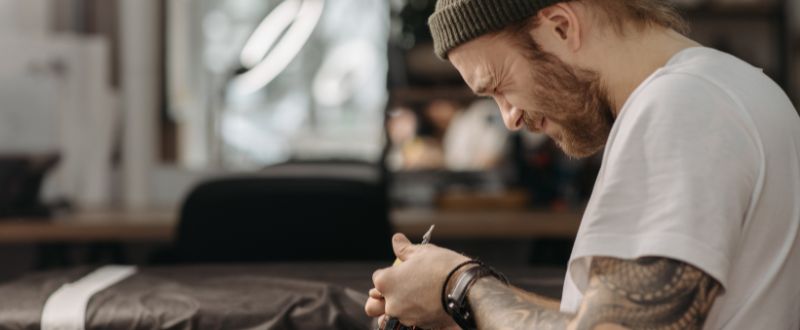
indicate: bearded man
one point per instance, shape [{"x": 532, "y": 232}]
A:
[{"x": 693, "y": 221}]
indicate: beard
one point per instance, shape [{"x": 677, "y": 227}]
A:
[{"x": 574, "y": 99}]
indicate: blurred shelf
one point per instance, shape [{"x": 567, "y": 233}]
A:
[
  {"x": 159, "y": 227},
  {"x": 480, "y": 201},
  {"x": 406, "y": 95}
]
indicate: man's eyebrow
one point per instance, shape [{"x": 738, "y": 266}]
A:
[{"x": 484, "y": 87}]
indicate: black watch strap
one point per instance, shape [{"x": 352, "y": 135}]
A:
[{"x": 457, "y": 304}]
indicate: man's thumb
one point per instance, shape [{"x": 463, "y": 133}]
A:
[{"x": 402, "y": 246}]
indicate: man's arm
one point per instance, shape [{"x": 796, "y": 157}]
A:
[{"x": 644, "y": 293}]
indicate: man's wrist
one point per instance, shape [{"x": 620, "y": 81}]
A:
[
  {"x": 452, "y": 277},
  {"x": 451, "y": 281},
  {"x": 455, "y": 291}
]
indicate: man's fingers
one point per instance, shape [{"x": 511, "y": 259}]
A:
[
  {"x": 402, "y": 246},
  {"x": 379, "y": 280},
  {"x": 374, "y": 293},
  {"x": 375, "y": 307}
]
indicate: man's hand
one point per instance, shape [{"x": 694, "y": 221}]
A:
[
  {"x": 411, "y": 290},
  {"x": 649, "y": 292}
]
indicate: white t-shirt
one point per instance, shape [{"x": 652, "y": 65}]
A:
[{"x": 703, "y": 166}]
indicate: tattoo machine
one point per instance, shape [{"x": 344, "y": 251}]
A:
[{"x": 391, "y": 323}]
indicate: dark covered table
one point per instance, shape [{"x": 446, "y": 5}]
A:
[{"x": 280, "y": 296}]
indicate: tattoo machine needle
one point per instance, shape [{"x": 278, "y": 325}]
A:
[{"x": 392, "y": 323}]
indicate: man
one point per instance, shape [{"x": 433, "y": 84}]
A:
[{"x": 693, "y": 222}]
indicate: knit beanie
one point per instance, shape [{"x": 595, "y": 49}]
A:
[{"x": 455, "y": 22}]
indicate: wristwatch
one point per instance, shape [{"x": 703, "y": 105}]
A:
[{"x": 456, "y": 302}]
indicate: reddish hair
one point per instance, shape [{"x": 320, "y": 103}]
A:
[
  {"x": 643, "y": 12},
  {"x": 619, "y": 14}
]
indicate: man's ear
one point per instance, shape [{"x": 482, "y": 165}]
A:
[{"x": 559, "y": 29}]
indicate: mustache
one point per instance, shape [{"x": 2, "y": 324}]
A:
[{"x": 531, "y": 119}]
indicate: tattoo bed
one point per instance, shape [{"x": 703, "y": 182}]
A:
[{"x": 270, "y": 296}]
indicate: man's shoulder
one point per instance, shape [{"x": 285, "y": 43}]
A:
[
  {"x": 695, "y": 72},
  {"x": 681, "y": 95},
  {"x": 711, "y": 65},
  {"x": 683, "y": 103},
  {"x": 708, "y": 86}
]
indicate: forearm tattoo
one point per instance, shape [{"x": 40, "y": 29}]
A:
[
  {"x": 497, "y": 306},
  {"x": 646, "y": 293}
]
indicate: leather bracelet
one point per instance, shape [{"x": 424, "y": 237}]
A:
[
  {"x": 457, "y": 303},
  {"x": 450, "y": 275},
  {"x": 390, "y": 323}
]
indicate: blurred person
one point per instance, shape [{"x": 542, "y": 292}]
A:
[
  {"x": 693, "y": 221},
  {"x": 441, "y": 113},
  {"x": 402, "y": 129},
  {"x": 402, "y": 125},
  {"x": 426, "y": 151},
  {"x": 409, "y": 150},
  {"x": 475, "y": 139},
  {"x": 423, "y": 153}
]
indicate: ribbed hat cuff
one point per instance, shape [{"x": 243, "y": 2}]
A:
[{"x": 462, "y": 21}]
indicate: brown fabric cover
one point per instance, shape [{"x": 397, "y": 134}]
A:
[{"x": 276, "y": 296}]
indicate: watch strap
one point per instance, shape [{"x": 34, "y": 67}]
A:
[{"x": 457, "y": 303}]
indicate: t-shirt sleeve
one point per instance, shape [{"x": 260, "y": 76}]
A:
[{"x": 677, "y": 181}]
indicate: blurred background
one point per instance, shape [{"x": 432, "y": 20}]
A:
[{"x": 168, "y": 131}]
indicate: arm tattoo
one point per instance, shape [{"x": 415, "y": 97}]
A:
[
  {"x": 646, "y": 293},
  {"x": 653, "y": 293},
  {"x": 497, "y": 306}
]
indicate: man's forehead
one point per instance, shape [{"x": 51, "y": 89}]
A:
[
  {"x": 475, "y": 60},
  {"x": 475, "y": 74}
]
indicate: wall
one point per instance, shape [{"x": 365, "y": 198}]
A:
[{"x": 24, "y": 16}]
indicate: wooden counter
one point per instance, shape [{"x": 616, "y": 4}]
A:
[
  {"x": 91, "y": 227},
  {"x": 160, "y": 226},
  {"x": 487, "y": 224}
]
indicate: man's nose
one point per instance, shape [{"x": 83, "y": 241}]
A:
[{"x": 512, "y": 118}]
